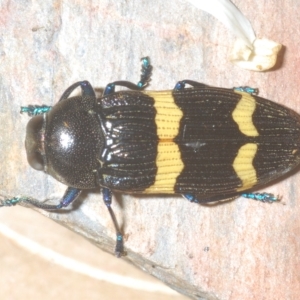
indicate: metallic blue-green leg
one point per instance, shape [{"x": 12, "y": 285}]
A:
[
  {"x": 263, "y": 197},
  {"x": 70, "y": 195},
  {"x": 107, "y": 197},
  {"x": 193, "y": 198},
  {"x": 11, "y": 202},
  {"x": 144, "y": 80},
  {"x": 190, "y": 197},
  {"x": 246, "y": 89},
  {"x": 86, "y": 90},
  {"x": 180, "y": 85},
  {"x": 34, "y": 110},
  {"x": 146, "y": 72}
]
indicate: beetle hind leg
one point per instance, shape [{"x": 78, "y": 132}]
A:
[
  {"x": 70, "y": 196},
  {"x": 193, "y": 198},
  {"x": 263, "y": 197}
]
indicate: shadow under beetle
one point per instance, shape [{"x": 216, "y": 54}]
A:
[{"x": 206, "y": 143}]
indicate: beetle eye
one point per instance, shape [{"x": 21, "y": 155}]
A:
[{"x": 34, "y": 143}]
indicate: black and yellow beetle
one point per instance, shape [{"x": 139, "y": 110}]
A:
[{"x": 203, "y": 142}]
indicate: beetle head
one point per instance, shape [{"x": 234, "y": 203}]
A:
[
  {"x": 34, "y": 142},
  {"x": 66, "y": 142}
]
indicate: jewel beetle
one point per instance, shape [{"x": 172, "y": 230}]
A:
[{"x": 205, "y": 143}]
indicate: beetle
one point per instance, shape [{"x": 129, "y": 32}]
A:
[{"x": 205, "y": 143}]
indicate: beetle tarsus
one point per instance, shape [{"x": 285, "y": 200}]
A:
[
  {"x": 119, "y": 250},
  {"x": 263, "y": 197},
  {"x": 70, "y": 195},
  {"x": 11, "y": 202},
  {"x": 246, "y": 89},
  {"x": 146, "y": 72}
]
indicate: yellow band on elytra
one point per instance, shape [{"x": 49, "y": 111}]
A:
[
  {"x": 243, "y": 166},
  {"x": 168, "y": 160},
  {"x": 243, "y": 112}
]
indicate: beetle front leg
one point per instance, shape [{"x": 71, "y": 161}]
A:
[
  {"x": 71, "y": 194},
  {"x": 86, "y": 90}
]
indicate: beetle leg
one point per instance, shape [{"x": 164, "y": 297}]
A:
[
  {"x": 263, "y": 197},
  {"x": 86, "y": 89},
  {"x": 144, "y": 80},
  {"x": 192, "y": 198},
  {"x": 146, "y": 72},
  {"x": 246, "y": 89},
  {"x": 180, "y": 85},
  {"x": 119, "y": 250},
  {"x": 70, "y": 195},
  {"x": 34, "y": 110}
]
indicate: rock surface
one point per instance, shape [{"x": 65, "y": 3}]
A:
[{"x": 237, "y": 250}]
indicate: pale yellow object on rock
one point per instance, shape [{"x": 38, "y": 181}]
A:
[
  {"x": 261, "y": 57},
  {"x": 248, "y": 52}
]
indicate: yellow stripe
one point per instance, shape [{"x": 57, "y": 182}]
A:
[
  {"x": 168, "y": 160},
  {"x": 168, "y": 114},
  {"x": 243, "y": 166},
  {"x": 242, "y": 114},
  {"x": 169, "y": 166}
]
